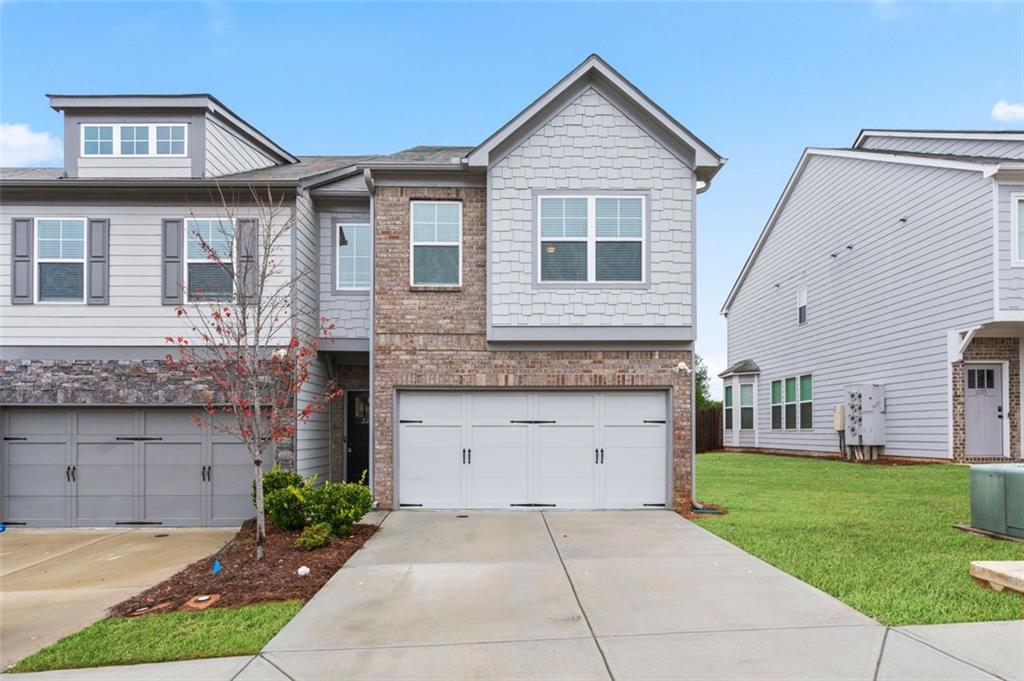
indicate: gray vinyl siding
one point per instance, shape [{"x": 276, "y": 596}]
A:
[
  {"x": 145, "y": 166},
  {"x": 307, "y": 266},
  {"x": 939, "y": 145},
  {"x": 879, "y": 312},
  {"x": 590, "y": 145},
  {"x": 228, "y": 152},
  {"x": 312, "y": 437},
  {"x": 135, "y": 315},
  {"x": 81, "y": 166},
  {"x": 349, "y": 311},
  {"x": 1011, "y": 276}
]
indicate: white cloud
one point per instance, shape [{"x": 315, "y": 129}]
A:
[
  {"x": 1005, "y": 111},
  {"x": 20, "y": 146}
]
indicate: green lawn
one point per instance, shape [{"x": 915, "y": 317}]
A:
[
  {"x": 218, "y": 632},
  {"x": 879, "y": 538}
]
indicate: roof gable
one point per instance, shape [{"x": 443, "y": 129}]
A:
[{"x": 595, "y": 72}]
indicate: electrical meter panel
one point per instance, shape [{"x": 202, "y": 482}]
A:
[{"x": 865, "y": 414}]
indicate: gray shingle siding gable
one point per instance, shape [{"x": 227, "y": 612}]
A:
[
  {"x": 348, "y": 310},
  {"x": 879, "y": 312},
  {"x": 590, "y": 144},
  {"x": 941, "y": 145}
]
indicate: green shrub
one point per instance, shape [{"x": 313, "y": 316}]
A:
[
  {"x": 357, "y": 498},
  {"x": 324, "y": 505},
  {"x": 277, "y": 478},
  {"x": 315, "y": 536},
  {"x": 287, "y": 507}
]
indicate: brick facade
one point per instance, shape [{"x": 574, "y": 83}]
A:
[
  {"x": 437, "y": 338},
  {"x": 995, "y": 350}
]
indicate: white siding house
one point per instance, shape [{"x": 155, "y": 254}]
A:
[{"x": 886, "y": 263}]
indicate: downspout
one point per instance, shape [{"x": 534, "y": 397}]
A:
[{"x": 372, "y": 477}]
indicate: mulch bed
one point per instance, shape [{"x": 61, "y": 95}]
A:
[{"x": 243, "y": 580}]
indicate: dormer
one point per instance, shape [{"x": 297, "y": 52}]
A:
[{"x": 160, "y": 136}]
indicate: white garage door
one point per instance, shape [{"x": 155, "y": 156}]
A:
[{"x": 532, "y": 449}]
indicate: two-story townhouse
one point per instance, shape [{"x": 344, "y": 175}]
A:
[
  {"x": 897, "y": 262},
  {"x": 514, "y": 321}
]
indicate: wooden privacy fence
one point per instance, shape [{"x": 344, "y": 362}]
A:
[{"x": 708, "y": 429}]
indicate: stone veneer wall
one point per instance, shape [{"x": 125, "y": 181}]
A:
[
  {"x": 99, "y": 382},
  {"x": 996, "y": 350},
  {"x": 348, "y": 377},
  {"x": 437, "y": 338}
]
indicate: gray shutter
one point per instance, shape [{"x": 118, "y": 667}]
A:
[
  {"x": 21, "y": 261},
  {"x": 246, "y": 267},
  {"x": 98, "y": 262},
  {"x": 172, "y": 279}
]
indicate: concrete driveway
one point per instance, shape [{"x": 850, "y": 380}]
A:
[
  {"x": 53, "y": 582},
  {"x": 598, "y": 595}
]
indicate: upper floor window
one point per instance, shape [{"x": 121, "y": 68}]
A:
[
  {"x": 97, "y": 140},
  {"x": 435, "y": 249},
  {"x": 727, "y": 407},
  {"x": 1017, "y": 229},
  {"x": 592, "y": 239},
  {"x": 134, "y": 140},
  {"x": 801, "y": 305},
  {"x": 60, "y": 260},
  {"x": 353, "y": 257},
  {"x": 209, "y": 278}
]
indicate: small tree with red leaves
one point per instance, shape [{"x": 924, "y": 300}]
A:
[{"x": 248, "y": 336}]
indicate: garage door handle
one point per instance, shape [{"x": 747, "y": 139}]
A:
[
  {"x": 15, "y": 439},
  {"x": 469, "y": 456},
  {"x": 597, "y": 456},
  {"x": 463, "y": 455},
  {"x": 74, "y": 474},
  {"x": 202, "y": 473},
  {"x": 209, "y": 473},
  {"x": 67, "y": 473},
  {"x": 654, "y": 420},
  {"x": 602, "y": 455}
]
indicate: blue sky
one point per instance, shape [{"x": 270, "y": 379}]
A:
[{"x": 758, "y": 82}]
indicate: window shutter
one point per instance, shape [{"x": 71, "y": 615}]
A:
[
  {"x": 246, "y": 266},
  {"x": 21, "y": 261},
  {"x": 98, "y": 262},
  {"x": 173, "y": 258}
]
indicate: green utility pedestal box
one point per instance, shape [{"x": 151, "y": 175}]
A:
[{"x": 997, "y": 498}]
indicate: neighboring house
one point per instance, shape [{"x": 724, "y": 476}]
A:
[
  {"x": 899, "y": 261},
  {"x": 514, "y": 320}
]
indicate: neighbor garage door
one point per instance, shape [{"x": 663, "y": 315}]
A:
[
  {"x": 119, "y": 466},
  {"x": 532, "y": 449}
]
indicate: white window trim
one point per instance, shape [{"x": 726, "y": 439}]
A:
[
  {"x": 117, "y": 140},
  {"x": 1015, "y": 230},
  {"x": 338, "y": 226},
  {"x": 413, "y": 244},
  {"x": 801, "y": 301},
  {"x": 36, "y": 260},
  {"x": 187, "y": 260},
  {"x": 591, "y": 240}
]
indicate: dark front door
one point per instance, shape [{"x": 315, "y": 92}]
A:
[{"x": 357, "y": 452}]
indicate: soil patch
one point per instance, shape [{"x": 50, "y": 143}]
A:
[
  {"x": 243, "y": 580},
  {"x": 710, "y": 511}
]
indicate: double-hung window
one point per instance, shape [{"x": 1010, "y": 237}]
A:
[
  {"x": 435, "y": 254},
  {"x": 209, "y": 268},
  {"x": 353, "y": 257},
  {"x": 131, "y": 139},
  {"x": 60, "y": 260},
  {"x": 806, "y": 404},
  {"x": 776, "y": 405},
  {"x": 727, "y": 407},
  {"x": 746, "y": 406},
  {"x": 97, "y": 140},
  {"x": 801, "y": 305},
  {"x": 1017, "y": 230},
  {"x": 592, "y": 239},
  {"x": 791, "y": 403}
]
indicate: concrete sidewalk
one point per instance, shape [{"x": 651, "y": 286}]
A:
[{"x": 601, "y": 595}]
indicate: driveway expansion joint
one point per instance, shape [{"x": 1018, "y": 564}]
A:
[{"x": 918, "y": 639}]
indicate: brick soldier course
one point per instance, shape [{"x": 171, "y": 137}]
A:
[{"x": 437, "y": 338}]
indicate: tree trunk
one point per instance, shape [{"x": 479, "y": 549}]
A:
[{"x": 261, "y": 518}]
